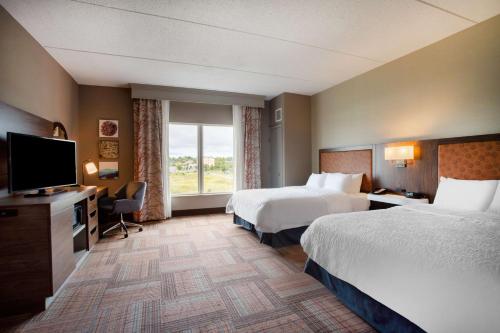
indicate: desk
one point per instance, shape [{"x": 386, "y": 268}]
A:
[
  {"x": 102, "y": 191},
  {"x": 39, "y": 246}
]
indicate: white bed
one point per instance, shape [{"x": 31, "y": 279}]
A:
[
  {"x": 438, "y": 268},
  {"x": 277, "y": 209}
]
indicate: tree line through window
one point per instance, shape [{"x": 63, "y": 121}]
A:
[{"x": 200, "y": 159}]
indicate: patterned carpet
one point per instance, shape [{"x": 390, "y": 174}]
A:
[{"x": 193, "y": 274}]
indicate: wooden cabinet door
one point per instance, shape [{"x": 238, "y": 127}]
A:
[{"x": 63, "y": 259}]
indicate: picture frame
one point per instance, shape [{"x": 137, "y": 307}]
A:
[
  {"x": 108, "y": 128},
  {"x": 109, "y": 149},
  {"x": 108, "y": 170}
]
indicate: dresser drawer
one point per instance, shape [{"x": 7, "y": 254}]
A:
[
  {"x": 91, "y": 205},
  {"x": 93, "y": 219},
  {"x": 93, "y": 235}
]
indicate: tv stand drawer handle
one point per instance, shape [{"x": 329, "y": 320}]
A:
[
  {"x": 93, "y": 230},
  {"x": 93, "y": 213},
  {"x": 92, "y": 197}
]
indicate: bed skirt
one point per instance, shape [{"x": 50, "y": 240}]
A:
[
  {"x": 279, "y": 239},
  {"x": 373, "y": 312}
]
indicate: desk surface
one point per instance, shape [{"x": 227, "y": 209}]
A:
[
  {"x": 70, "y": 194},
  {"x": 102, "y": 191}
]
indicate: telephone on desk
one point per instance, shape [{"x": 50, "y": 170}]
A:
[
  {"x": 411, "y": 195},
  {"x": 380, "y": 191}
]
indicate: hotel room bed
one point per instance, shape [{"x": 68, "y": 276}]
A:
[
  {"x": 279, "y": 216},
  {"x": 418, "y": 268},
  {"x": 431, "y": 266}
]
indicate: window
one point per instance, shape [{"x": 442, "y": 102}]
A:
[
  {"x": 201, "y": 159},
  {"x": 217, "y": 159},
  {"x": 183, "y": 151}
]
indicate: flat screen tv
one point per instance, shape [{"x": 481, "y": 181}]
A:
[{"x": 37, "y": 163}]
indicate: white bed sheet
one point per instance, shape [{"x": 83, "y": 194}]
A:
[
  {"x": 276, "y": 209},
  {"x": 439, "y": 269}
]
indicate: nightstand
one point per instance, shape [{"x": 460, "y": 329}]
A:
[{"x": 383, "y": 201}]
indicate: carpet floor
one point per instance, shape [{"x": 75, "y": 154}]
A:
[{"x": 193, "y": 274}]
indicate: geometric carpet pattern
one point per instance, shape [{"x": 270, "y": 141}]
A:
[{"x": 193, "y": 274}]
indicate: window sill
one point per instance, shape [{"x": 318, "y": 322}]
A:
[{"x": 199, "y": 194}]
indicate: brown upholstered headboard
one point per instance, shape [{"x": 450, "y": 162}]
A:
[
  {"x": 470, "y": 160},
  {"x": 347, "y": 160}
]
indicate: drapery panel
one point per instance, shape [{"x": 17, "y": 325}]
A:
[
  {"x": 238, "y": 147},
  {"x": 165, "y": 105},
  {"x": 148, "y": 156},
  {"x": 251, "y": 147}
]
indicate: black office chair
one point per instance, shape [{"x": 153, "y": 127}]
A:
[{"x": 128, "y": 199}]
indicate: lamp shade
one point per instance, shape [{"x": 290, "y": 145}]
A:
[
  {"x": 399, "y": 153},
  {"x": 90, "y": 167}
]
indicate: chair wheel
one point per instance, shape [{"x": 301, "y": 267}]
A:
[
  {"x": 140, "y": 229},
  {"x": 125, "y": 236}
]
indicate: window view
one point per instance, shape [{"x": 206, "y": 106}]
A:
[
  {"x": 217, "y": 159},
  {"x": 216, "y": 164},
  {"x": 183, "y": 151}
]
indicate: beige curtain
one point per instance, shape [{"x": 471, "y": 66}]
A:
[
  {"x": 148, "y": 156},
  {"x": 251, "y": 147}
]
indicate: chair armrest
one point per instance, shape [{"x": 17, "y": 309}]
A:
[
  {"x": 125, "y": 206},
  {"x": 106, "y": 203}
]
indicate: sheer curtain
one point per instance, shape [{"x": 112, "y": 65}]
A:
[
  {"x": 238, "y": 147},
  {"x": 166, "y": 160}
]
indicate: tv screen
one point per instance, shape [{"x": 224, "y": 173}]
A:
[{"x": 40, "y": 163}]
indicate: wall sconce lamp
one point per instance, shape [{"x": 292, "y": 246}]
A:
[
  {"x": 89, "y": 167},
  {"x": 59, "y": 130},
  {"x": 399, "y": 154}
]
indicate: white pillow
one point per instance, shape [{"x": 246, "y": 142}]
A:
[
  {"x": 337, "y": 181},
  {"x": 465, "y": 195},
  {"x": 316, "y": 180},
  {"x": 495, "y": 203},
  {"x": 354, "y": 186}
]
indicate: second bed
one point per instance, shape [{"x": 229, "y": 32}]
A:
[{"x": 279, "y": 216}]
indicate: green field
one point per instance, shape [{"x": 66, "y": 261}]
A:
[{"x": 187, "y": 182}]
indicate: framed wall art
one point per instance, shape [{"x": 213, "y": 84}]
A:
[
  {"x": 108, "y": 170},
  {"x": 108, "y": 128},
  {"x": 109, "y": 149}
]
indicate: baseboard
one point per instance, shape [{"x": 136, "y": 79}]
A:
[{"x": 201, "y": 211}]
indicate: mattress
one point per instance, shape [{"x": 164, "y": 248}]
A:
[
  {"x": 277, "y": 209},
  {"x": 438, "y": 268}
]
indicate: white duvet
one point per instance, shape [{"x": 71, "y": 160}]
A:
[
  {"x": 439, "y": 269},
  {"x": 275, "y": 209}
]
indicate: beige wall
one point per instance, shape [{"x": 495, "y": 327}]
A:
[
  {"x": 187, "y": 202},
  {"x": 265, "y": 148},
  {"x": 297, "y": 141},
  {"x": 195, "y": 95},
  {"x": 200, "y": 113},
  {"x": 31, "y": 80},
  {"x": 106, "y": 103},
  {"x": 448, "y": 89}
]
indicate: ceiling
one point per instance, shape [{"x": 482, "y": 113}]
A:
[{"x": 263, "y": 47}]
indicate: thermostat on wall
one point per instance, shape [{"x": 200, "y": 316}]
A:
[{"x": 278, "y": 115}]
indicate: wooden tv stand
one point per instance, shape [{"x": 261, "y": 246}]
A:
[{"x": 39, "y": 248}]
